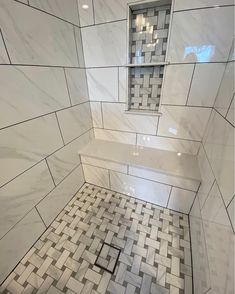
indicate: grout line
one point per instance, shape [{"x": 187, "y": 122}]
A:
[
  {"x": 66, "y": 81},
  {"x": 201, "y": 8},
  {"x": 221, "y": 195},
  {"x": 5, "y": 46},
  {"x": 223, "y": 117},
  {"x": 186, "y": 104},
  {"x": 76, "y": 46},
  {"x": 40, "y": 216},
  {"x": 42, "y": 65},
  {"x": 195, "y": 197},
  {"x": 50, "y": 172},
  {"x": 93, "y": 11},
  {"x": 48, "y": 13},
  {"x": 44, "y": 158},
  {"x": 169, "y": 197},
  {"x": 103, "y": 23},
  {"x": 59, "y": 128},
  {"x": 191, "y": 251},
  {"x": 42, "y": 232},
  {"x": 109, "y": 179},
  {"x": 118, "y": 83},
  {"x": 230, "y": 105},
  {"x": 45, "y": 114}
]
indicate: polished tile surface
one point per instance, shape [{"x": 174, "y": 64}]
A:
[
  {"x": 27, "y": 45},
  {"x": 154, "y": 243},
  {"x": 188, "y": 44}
]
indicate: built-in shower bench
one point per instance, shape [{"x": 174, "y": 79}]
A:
[{"x": 165, "y": 178}]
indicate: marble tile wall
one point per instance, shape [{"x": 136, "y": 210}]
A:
[
  {"x": 45, "y": 118},
  {"x": 212, "y": 215},
  {"x": 191, "y": 81}
]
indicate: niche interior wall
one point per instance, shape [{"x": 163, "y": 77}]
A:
[{"x": 45, "y": 119}]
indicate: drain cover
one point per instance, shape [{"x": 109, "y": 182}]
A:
[{"x": 108, "y": 257}]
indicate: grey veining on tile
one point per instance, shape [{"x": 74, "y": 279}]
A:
[
  {"x": 3, "y": 54},
  {"x": 62, "y": 194},
  {"x": 103, "y": 84},
  {"x": 34, "y": 90},
  {"x": 226, "y": 90},
  {"x": 77, "y": 84},
  {"x": 19, "y": 196},
  {"x": 63, "y": 161},
  {"x": 20, "y": 151},
  {"x": 24, "y": 234},
  {"x": 75, "y": 121},
  {"x": 183, "y": 122},
  {"x": 188, "y": 44},
  {"x": 109, "y": 41},
  {"x": 67, "y": 10},
  {"x": 86, "y": 15},
  {"x": 27, "y": 45},
  {"x": 115, "y": 118},
  {"x": 219, "y": 147}
]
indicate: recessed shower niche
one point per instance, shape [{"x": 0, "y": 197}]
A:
[{"x": 148, "y": 31}]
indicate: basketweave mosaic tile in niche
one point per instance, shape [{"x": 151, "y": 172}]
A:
[{"x": 148, "y": 36}]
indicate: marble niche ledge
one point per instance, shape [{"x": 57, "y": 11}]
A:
[{"x": 165, "y": 178}]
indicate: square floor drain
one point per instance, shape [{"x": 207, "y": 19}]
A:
[{"x": 108, "y": 257}]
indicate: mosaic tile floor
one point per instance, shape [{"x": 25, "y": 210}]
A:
[{"x": 154, "y": 245}]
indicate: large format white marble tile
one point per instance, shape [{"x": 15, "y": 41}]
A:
[
  {"x": 115, "y": 118},
  {"x": 170, "y": 144},
  {"x": 183, "y": 122},
  {"x": 3, "y": 54},
  {"x": 206, "y": 176},
  {"x": 231, "y": 212},
  {"x": 103, "y": 84},
  {"x": 62, "y": 162},
  {"x": 67, "y": 10},
  {"x": 34, "y": 37},
  {"x": 79, "y": 46},
  {"x": 18, "y": 241},
  {"x": 214, "y": 209},
  {"x": 142, "y": 189},
  {"x": 27, "y": 92},
  {"x": 77, "y": 84},
  {"x": 230, "y": 114},
  {"x": 192, "y": 4},
  {"x": 176, "y": 84},
  {"x": 219, "y": 147},
  {"x": 181, "y": 200},
  {"x": 107, "y": 164},
  {"x": 96, "y": 114},
  {"x": 220, "y": 248},
  {"x": 110, "y": 10},
  {"x": 205, "y": 84},
  {"x": 86, "y": 12},
  {"x": 75, "y": 121},
  {"x": 21, "y": 195},
  {"x": 201, "y": 271},
  {"x": 25, "y": 144},
  {"x": 115, "y": 136},
  {"x": 189, "y": 44},
  {"x": 109, "y": 41},
  {"x": 180, "y": 182},
  {"x": 170, "y": 163},
  {"x": 122, "y": 86},
  {"x": 51, "y": 205},
  {"x": 226, "y": 90},
  {"x": 96, "y": 175}
]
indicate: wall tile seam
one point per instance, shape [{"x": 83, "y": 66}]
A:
[
  {"x": 203, "y": 8},
  {"x": 48, "y": 13},
  {"x": 230, "y": 104},
  {"x": 221, "y": 195},
  {"x": 134, "y": 176},
  {"x": 42, "y": 115},
  {"x": 5, "y": 46},
  {"x": 45, "y": 158},
  {"x": 223, "y": 116},
  {"x": 41, "y": 233},
  {"x": 147, "y": 134},
  {"x": 67, "y": 87},
  {"x": 40, "y": 200}
]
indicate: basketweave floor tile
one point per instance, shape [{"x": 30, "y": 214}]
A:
[{"x": 107, "y": 242}]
